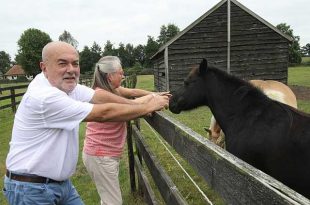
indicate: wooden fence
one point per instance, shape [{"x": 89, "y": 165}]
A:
[
  {"x": 86, "y": 81},
  {"x": 13, "y": 94},
  {"x": 130, "y": 81},
  {"x": 236, "y": 181}
]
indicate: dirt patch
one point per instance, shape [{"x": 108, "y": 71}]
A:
[{"x": 301, "y": 92}]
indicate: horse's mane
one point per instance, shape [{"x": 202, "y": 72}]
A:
[{"x": 244, "y": 88}]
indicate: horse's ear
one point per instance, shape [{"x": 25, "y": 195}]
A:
[{"x": 203, "y": 66}]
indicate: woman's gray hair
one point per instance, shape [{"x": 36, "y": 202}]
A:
[{"x": 105, "y": 66}]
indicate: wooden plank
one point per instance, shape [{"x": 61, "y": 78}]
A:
[
  {"x": 166, "y": 187},
  {"x": 14, "y": 87},
  {"x": 236, "y": 181},
  {"x": 147, "y": 191},
  {"x": 5, "y": 97},
  {"x": 5, "y": 106},
  {"x": 9, "y": 105},
  {"x": 131, "y": 160}
]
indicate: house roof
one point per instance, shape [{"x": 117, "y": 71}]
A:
[
  {"x": 15, "y": 70},
  {"x": 211, "y": 11}
]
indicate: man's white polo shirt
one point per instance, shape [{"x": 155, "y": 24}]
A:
[{"x": 45, "y": 131}]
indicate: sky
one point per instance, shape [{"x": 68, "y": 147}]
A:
[{"x": 129, "y": 21}]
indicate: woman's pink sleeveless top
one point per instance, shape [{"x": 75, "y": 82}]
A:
[{"x": 105, "y": 138}]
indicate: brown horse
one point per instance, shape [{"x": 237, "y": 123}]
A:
[
  {"x": 265, "y": 133},
  {"x": 273, "y": 89}
]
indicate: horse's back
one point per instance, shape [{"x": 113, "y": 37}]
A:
[
  {"x": 273, "y": 89},
  {"x": 277, "y": 91}
]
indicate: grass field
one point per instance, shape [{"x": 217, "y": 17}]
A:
[
  {"x": 299, "y": 75},
  {"x": 86, "y": 188},
  {"x": 306, "y": 60}
]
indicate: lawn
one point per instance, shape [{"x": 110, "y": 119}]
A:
[
  {"x": 6, "y": 123},
  {"x": 8, "y": 92},
  {"x": 299, "y": 75},
  {"x": 305, "y": 60}
]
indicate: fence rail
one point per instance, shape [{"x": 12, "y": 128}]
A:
[
  {"x": 13, "y": 94},
  {"x": 86, "y": 81},
  {"x": 236, "y": 181}
]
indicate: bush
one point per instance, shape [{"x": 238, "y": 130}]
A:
[
  {"x": 21, "y": 79},
  {"x": 6, "y": 81},
  {"x": 305, "y": 61},
  {"x": 146, "y": 71},
  {"x": 135, "y": 70},
  {"x": 130, "y": 81}
]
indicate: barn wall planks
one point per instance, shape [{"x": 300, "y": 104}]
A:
[{"x": 256, "y": 50}]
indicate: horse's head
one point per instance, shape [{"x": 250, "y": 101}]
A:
[{"x": 192, "y": 93}]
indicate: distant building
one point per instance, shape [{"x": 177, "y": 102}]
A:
[{"x": 16, "y": 71}]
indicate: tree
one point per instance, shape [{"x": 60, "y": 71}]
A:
[
  {"x": 306, "y": 49},
  {"x": 138, "y": 54},
  {"x": 30, "y": 48},
  {"x": 167, "y": 33},
  {"x": 122, "y": 54},
  {"x": 86, "y": 63},
  {"x": 294, "y": 49},
  {"x": 89, "y": 57},
  {"x": 67, "y": 37},
  {"x": 129, "y": 55},
  {"x": 150, "y": 49},
  {"x": 5, "y": 62},
  {"x": 96, "y": 52},
  {"x": 109, "y": 49}
]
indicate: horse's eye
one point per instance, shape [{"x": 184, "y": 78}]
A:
[{"x": 186, "y": 83}]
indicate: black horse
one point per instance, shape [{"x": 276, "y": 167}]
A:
[{"x": 267, "y": 134}]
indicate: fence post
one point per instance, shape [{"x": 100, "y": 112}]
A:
[
  {"x": 137, "y": 123},
  {"x": 139, "y": 156},
  {"x": 131, "y": 159},
  {"x": 13, "y": 102}
]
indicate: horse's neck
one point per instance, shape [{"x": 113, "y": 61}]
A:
[{"x": 221, "y": 100}]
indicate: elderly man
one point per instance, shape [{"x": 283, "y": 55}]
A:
[{"x": 44, "y": 146}]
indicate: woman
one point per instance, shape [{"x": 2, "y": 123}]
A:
[{"x": 104, "y": 142}]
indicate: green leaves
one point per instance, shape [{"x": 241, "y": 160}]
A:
[
  {"x": 68, "y": 38},
  {"x": 5, "y": 61},
  {"x": 294, "y": 48},
  {"x": 30, "y": 46}
]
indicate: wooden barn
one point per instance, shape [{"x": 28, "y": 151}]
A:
[{"x": 231, "y": 37}]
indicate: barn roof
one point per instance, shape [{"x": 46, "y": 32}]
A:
[
  {"x": 211, "y": 11},
  {"x": 15, "y": 70}
]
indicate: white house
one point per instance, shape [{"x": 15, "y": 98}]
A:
[{"x": 16, "y": 71}]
